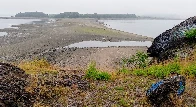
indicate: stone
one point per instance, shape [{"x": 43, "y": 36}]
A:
[
  {"x": 13, "y": 81},
  {"x": 171, "y": 39},
  {"x": 159, "y": 92}
]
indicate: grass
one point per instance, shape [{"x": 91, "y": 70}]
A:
[
  {"x": 97, "y": 31},
  {"x": 141, "y": 68},
  {"x": 159, "y": 71},
  {"x": 140, "y": 60},
  {"x": 126, "y": 88},
  {"x": 93, "y": 73},
  {"x": 123, "y": 103},
  {"x": 191, "y": 33},
  {"x": 183, "y": 67},
  {"x": 37, "y": 66}
]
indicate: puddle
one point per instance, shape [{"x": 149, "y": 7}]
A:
[
  {"x": 91, "y": 44},
  {"x": 3, "y": 33}
]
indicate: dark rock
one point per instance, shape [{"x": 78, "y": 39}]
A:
[
  {"x": 13, "y": 81},
  {"x": 171, "y": 39},
  {"x": 159, "y": 93}
]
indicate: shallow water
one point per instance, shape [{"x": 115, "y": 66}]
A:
[
  {"x": 7, "y": 23},
  {"x": 92, "y": 44},
  {"x": 150, "y": 28},
  {"x": 3, "y": 33}
]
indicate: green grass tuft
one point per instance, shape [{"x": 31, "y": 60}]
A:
[
  {"x": 190, "y": 33},
  {"x": 190, "y": 70},
  {"x": 93, "y": 73},
  {"x": 159, "y": 71}
]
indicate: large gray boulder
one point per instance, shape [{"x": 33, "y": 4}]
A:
[
  {"x": 171, "y": 39},
  {"x": 13, "y": 81}
]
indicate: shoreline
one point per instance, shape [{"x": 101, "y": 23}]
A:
[
  {"x": 31, "y": 41},
  {"x": 14, "y": 25}
]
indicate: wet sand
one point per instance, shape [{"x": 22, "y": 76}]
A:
[{"x": 46, "y": 39}]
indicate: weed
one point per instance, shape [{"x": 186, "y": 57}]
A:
[
  {"x": 124, "y": 70},
  {"x": 93, "y": 73},
  {"x": 190, "y": 33},
  {"x": 140, "y": 60},
  {"x": 159, "y": 71},
  {"x": 140, "y": 72},
  {"x": 190, "y": 70}
]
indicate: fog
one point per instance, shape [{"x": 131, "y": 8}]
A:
[{"x": 171, "y": 8}]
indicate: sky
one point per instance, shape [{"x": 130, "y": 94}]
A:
[{"x": 173, "y": 8}]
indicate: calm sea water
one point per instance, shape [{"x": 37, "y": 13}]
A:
[
  {"x": 92, "y": 44},
  {"x": 150, "y": 28},
  {"x": 7, "y": 23}
]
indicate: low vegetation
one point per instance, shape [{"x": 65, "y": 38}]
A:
[
  {"x": 140, "y": 60},
  {"x": 141, "y": 68},
  {"x": 37, "y": 66},
  {"x": 191, "y": 33},
  {"x": 98, "y": 31},
  {"x": 126, "y": 88},
  {"x": 93, "y": 73},
  {"x": 159, "y": 71}
]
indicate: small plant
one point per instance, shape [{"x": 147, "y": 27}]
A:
[
  {"x": 140, "y": 60},
  {"x": 190, "y": 33},
  {"x": 93, "y": 73}
]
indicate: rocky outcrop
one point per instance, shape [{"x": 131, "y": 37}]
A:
[
  {"x": 13, "y": 81},
  {"x": 174, "y": 38}
]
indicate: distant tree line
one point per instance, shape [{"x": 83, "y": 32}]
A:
[
  {"x": 68, "y": 15},
  {"x": 74, "y": 15},
  {"x": 32, "y": 14}
]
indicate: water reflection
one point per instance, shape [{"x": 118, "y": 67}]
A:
[
  {"x": 91, "y": 44},
  {"x": 3, "y": 33}
]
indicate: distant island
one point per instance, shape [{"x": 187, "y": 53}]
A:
[
  {"x": 30, "y": 15},
  {"x": 73, "y": 15}
]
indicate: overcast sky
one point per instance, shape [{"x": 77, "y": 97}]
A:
[{"x": 183, "y": 8}]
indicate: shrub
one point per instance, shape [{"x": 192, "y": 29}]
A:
[
  {"x": 140, "y": 60},
  {"x": 93, "y": 73},
  {"x": 190, "y": 33}
]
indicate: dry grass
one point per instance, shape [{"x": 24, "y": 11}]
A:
[
  {"x": 122, "y": 90},
  {"x": 37, "y": 66}
]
